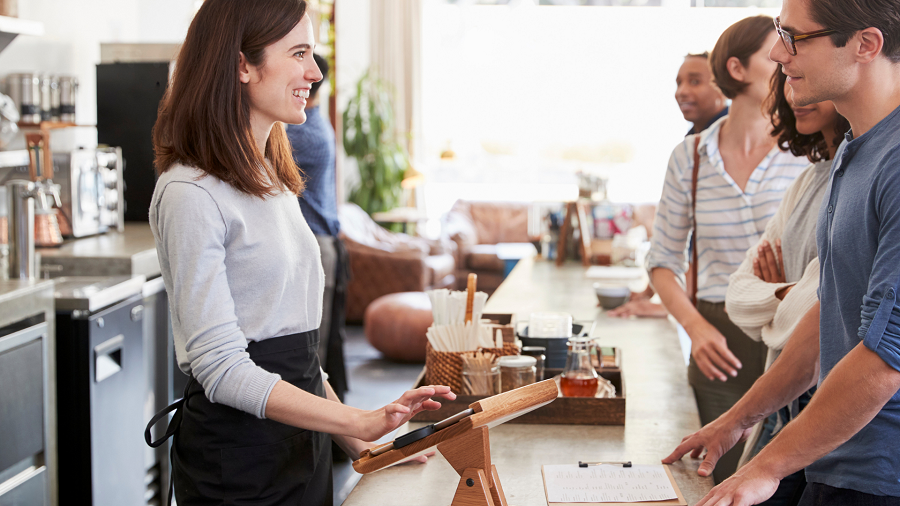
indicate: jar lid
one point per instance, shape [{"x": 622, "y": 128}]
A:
[
  {"x": 534, "y": 349},
  {"x": 517, "y": 361}
]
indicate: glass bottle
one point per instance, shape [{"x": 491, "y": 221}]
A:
[{"x": 579, "y": 379}]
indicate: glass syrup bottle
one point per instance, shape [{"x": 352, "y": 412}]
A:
[{"x": 579, "y": 379}]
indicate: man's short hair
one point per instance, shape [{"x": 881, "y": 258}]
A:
[
  {"x": 850, "y": 16},
  {"x": 740, "y": 40},
  {"x": 704, "y": 55},
  {"x": 323, "y": 68}
]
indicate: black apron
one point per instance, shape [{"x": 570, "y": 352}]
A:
[{"x": 223, "y": 456}]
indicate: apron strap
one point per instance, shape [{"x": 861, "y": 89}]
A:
[
  {"x": 171, "y": 430},
  {"x": 173, "y": 424}
]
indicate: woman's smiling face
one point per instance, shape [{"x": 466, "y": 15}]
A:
[{"x": 279, "y": 87}]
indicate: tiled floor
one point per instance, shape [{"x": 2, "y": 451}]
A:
[{"x": 374, "y": 382}]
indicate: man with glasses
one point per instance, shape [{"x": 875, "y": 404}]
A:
[{"x": 848, "y": 437}]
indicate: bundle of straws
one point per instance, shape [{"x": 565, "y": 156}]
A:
[
  {"x": 457, "y": 320},
  {"x": 449, "y": 307},
  {"x": 478, "y": 378}
]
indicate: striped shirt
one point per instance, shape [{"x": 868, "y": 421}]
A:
[{"x": 729, "y": 221}]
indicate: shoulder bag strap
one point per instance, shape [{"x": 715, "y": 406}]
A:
[{"x": 696, "y": 172}]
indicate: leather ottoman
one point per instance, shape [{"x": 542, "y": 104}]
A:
[{"x": 395, "y": 324}]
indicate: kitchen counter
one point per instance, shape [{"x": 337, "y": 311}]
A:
[
  {"x": 132, "y": 252},
  {"x": 27, "y": 318},
  {"x": 21, "y": 298},
  {"x": 660, "y": 407}
]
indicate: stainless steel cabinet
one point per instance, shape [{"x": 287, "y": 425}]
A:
[{"x": 24, "y": 401}]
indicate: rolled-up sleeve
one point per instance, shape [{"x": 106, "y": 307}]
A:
[
  {"x": 191, "y": 242},
  {"x": 673, "y": 223},
  {"x": 880, "y": 314}
]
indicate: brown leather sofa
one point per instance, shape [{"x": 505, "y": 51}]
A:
[
  {"x": 383, "y": 262},
  {"x": 477, "y": 228}
]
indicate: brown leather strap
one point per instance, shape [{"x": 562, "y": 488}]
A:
[{"x": 693, "y": 266}]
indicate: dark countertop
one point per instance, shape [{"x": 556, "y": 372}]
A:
[{"x": 128, "y": 253}]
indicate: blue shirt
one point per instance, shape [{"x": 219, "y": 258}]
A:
[
  {"x": 858, "y": 237},
  {"x": 313, "y": 146}
]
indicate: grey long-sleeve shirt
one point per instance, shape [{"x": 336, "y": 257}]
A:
[{"x": 237, "y": 268}]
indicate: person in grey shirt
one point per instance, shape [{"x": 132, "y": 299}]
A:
[{"x": 242, "y": 268}]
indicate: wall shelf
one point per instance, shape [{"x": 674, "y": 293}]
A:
[{"x": 12, "y": 27}]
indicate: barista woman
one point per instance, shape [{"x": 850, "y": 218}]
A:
[
  {"x": 740, "y": 179},
  {"x": 242, "y": 267}
]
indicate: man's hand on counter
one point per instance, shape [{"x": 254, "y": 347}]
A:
[
  {"x": 716, "y": 438},
  {"x": 751, "y": 484}
]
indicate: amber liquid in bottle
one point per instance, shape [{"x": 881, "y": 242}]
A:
[{"x": 578, "y": 387}]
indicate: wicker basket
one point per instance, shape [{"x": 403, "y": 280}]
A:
[{"x": 445, "y": 368}]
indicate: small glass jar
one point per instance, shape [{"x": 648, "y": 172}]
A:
[
  {"x": 579, "y": 379},
  {"x": 481, "y": 380},
  {"x": 516, "y": 371},
  {"x": 540, "y": 355}
]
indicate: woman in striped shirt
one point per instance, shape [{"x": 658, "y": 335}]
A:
[{"x": 741, "y": 178}]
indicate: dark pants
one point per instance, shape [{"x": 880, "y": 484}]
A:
[
  {"x": 715, "y": 397},
  {"x": 817, "y": 494},
  {"x": 791, "y": 487},
  {"x": 334, "y": 312}
]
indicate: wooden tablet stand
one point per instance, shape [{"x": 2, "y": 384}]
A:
[{"x": 466, "y": 445}]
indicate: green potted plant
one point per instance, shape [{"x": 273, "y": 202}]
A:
[{"x": 370, "y": 137}]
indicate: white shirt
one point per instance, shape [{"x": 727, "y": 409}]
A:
[{"x": 729, "y": 221}]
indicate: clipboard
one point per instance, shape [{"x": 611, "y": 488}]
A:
[{"x": 671, "y": 502}]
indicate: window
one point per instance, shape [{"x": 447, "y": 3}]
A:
[{"x": 526, "y": 95}]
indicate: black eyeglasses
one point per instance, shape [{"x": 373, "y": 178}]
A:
[{"x": 790, "y": 39}]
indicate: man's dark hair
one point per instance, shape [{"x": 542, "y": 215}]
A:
[
  {"x": 850, "y": 16},
  {"x": 704, "y": 55},
  {"x": 813, "y": 146},
  {"x": 323, "y": 68},
  {"x": 740, "y": 40}
]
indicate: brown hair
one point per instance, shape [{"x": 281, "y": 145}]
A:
[
  {"x": 204, "y": 117},
  {"x": 814, "y": 146},
  {"x": 740, "y": 40},
  {"x": 847, "y": 17}
]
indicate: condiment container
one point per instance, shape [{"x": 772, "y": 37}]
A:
[{"x": 516, "y": 371}]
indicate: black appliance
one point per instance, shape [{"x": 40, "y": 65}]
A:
[
  {"x": 128, "y": 96},
  {"x": 101, "y": 379}
]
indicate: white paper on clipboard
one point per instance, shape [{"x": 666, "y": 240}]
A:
[{"x": 607, "y": 483}]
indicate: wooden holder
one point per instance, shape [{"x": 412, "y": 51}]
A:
[{"x": 466, "y": 445}]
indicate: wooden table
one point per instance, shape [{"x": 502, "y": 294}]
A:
[{"x": 660, "y": 407}]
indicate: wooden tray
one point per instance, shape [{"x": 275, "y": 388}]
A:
[{"x": 562, "y": 411}]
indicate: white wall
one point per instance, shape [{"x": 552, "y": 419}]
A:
[
  {"x": 352, "y": 59},
  {"x": 74, "y": 29}
]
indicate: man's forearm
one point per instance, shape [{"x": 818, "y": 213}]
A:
[
  {"x": 849, "y": 398},
  {"x": 795, "y": 371}
]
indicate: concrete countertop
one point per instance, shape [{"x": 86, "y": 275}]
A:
[
  {"x": 128, "y": 253},
  {"x": 660, "y": 407},
  {"x": 20, "y": 299}
]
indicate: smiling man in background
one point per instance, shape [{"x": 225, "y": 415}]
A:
[{"x": 700, "y": 101}]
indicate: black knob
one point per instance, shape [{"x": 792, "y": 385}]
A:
[{"x": 470, "y": 482}]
